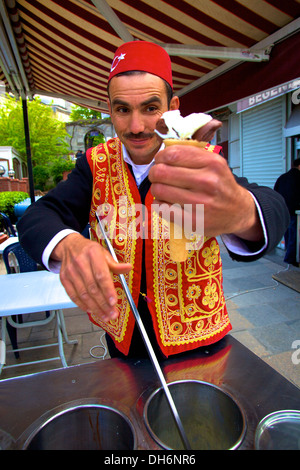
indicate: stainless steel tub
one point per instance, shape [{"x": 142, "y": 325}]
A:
[
  {"x": 211, "y": 418},
  {"x": 83, "y": 426}
]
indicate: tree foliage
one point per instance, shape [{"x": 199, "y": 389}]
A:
[
  {"x": 58, "y": 167},
  {"x": 79, "y": 112},
  {"x": 49, "y": 147},
  {"x": 8, "y": 199},
  {"x": 47, "y": 134}
]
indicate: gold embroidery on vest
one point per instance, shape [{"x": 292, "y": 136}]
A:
[
  {"x": 116, "y": 185},
  {"x": 188, "y": 299},
  {"x": 210, "y": 148},
  {"x": 204, "y": 309}
]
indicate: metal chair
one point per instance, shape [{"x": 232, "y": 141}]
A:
[
  {"x": 16, "y": 260},
  {"x": 8, "y": 225}
]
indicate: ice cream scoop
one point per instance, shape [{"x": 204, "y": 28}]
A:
[
  {"x": 196, "y": 130},
  {"x": 195, "y": 126}
]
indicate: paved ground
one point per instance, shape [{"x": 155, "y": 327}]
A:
[
  {"x": 265, "y": 314},
  {"x": 265, "y": 317}
]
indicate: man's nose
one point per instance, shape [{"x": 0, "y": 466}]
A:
[{"x": 136, "y": 123}]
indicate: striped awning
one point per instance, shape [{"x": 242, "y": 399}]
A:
[{"x": 64, "y": 48}]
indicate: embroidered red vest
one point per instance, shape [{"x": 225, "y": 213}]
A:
[{"x": 186, "y": 300}]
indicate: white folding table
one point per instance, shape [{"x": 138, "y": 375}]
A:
[{"x": 25, "y": 293}]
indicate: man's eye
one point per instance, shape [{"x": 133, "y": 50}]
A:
[
  {"x": 151, "y": 109},
  {"x": 122, "y": 110}
]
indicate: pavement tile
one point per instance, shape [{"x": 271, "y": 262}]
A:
[
  {"x": 287, "y": 364},
  {"x": 277, "y": 338},
  {"x": 238, "y": 321},
  {"x": 247, "y": 339},
  {"x": 290, "y": 308},
  {"x": 262, "y": 315},
  {"x": 78, "y": 324}
]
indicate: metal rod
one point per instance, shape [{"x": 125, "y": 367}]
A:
[
  {"x": 148, "y": 344},
  {"x": 28, "y": 149}
]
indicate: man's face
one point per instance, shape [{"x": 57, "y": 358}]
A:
[{"x": 135, "y": 105}]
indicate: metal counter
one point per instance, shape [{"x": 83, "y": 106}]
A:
[{"x": 126, "y": 385}]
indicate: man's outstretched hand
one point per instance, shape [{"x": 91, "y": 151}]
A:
[{"x": 86, "y": 274}]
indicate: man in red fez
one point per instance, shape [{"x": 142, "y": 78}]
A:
[
  {"x": 138, "y": 97},
  {"x": 137, "y": 165}
]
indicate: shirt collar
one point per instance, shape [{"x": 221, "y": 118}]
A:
[{"x": 140, "y": 171}]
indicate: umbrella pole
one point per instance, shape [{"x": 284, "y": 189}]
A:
[{"x": 28, "y": 149}]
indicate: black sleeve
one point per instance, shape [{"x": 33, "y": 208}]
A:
[
  {"x": 275, "y": 214},
  {"x": 65, "y": 206}
]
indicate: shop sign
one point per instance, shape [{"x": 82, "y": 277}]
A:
[{"x": 267, "y": 95}]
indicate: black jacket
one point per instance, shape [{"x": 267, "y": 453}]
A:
[
  {"x": 68, "y": 206},
  {"x": 288, "y": 185}
]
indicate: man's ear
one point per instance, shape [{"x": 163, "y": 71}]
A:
[{"x": 174, "y": 103}]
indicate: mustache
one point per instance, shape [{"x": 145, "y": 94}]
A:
[{"x": 140, "y": 135}]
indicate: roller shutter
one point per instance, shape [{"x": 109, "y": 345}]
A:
[{"x": 263, "y": 143}]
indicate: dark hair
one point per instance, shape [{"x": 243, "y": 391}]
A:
[
  {"x": 169, "y": 89},
  {"x": 296, "y": 162}
]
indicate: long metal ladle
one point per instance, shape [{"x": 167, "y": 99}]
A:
[{"x": 147, "y": 344}]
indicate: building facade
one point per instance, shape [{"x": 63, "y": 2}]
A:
[{"x": 261, "y": 133}]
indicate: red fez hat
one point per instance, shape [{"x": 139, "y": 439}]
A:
[{"x": 143, "y": 56}]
